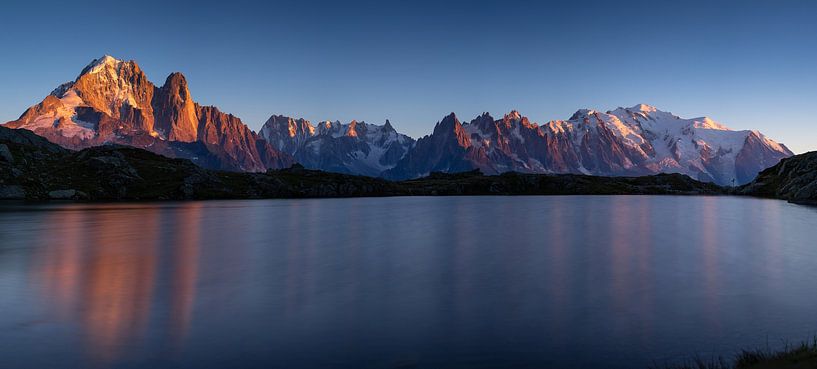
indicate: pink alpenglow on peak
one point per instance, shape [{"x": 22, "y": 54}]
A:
[
  {"x": 644, "y": 108},
  {"x": 641, "y": 140},
  {"x": 112, "y": 101}
]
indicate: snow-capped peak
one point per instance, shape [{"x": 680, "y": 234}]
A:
[
  {"x": 643, "y": 111},
  {"x": 644, "y": 108},
  {"x": 582, "y": 113},
  {"x": 100, "y": 64},
  {"x": 708, "y": 123}
]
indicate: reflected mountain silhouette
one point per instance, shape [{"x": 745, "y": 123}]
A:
[{"x": 101, "y": 269}]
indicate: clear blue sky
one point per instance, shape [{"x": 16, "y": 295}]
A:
[{"x": 749, "y": 65}]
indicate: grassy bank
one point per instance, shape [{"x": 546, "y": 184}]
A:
[{"x": 800, "y": 356}]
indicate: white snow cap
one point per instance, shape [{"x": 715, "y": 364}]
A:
[
  {"x": 644, "y": 108},
  {"x": 99, "y": 64}
]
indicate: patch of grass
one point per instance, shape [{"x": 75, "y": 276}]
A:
[{"x": 801, "y": 356}]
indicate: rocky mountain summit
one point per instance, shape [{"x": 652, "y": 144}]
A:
[{"x": 112, "y": 101}]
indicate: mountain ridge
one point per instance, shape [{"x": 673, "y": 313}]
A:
[
  {"x": 640, "y": 140},
  {"x": 112, "y": 101}
]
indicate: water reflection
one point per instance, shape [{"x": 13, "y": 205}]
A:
[
  {"x": 117, "y": 280},
  {"x": 412, "y": 282},
  {"x": 709, "y": 244},
  {"x": 185, "y": 264},
  {"x": 101, "y": 269}
]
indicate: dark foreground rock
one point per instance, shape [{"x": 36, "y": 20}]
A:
[
  {"x": 32, "y": 168},
  {"x": 793, "y": 179}
]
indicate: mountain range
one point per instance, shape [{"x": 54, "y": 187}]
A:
[
  {"x": 640, "y": 140},
  {"x": 113, "y": 102}
]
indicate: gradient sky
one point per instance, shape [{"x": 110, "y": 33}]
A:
[{"x": 747, "y": 64}]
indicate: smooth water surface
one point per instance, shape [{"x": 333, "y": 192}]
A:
[{"x": 425, "y": 282}]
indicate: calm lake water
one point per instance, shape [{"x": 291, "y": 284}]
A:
[{"x": 442, "y": 282}]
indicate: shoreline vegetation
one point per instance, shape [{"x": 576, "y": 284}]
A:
[{"x": 799, "y": 356}]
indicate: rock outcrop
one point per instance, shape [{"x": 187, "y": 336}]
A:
[{"x": 793, "y": 179}]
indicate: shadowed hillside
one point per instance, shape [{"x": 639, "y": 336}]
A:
[{"x": 793, "y": 179}]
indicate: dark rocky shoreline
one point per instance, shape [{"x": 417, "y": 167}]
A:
[{"x": 794, "y": 179}]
